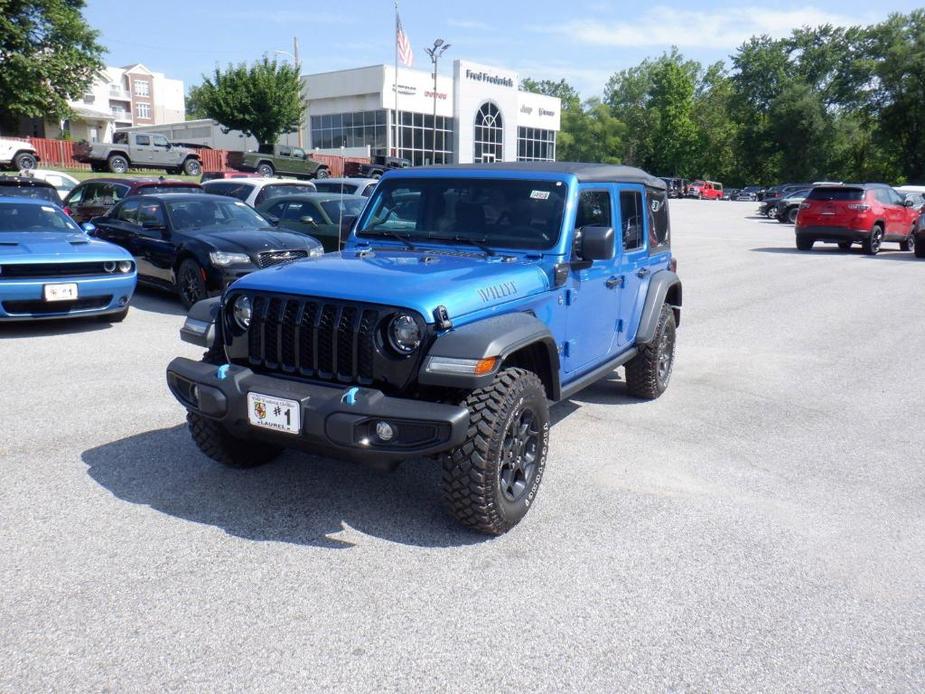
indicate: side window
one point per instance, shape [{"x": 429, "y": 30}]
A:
[
  {"x": 128, "y": 212},
  {"x": 111, "y": 193},
  {"x": 76, "y": 195},
  {"x": 277, "y": 209},
  {"x": 895, "y": 198},
  {"x": 300, "y": 153},
  {"x": 659, "y": 228},
  {"x": 593, "y": 209},
  {"x": 160, "y": 141},
  {"x": 92, "y": 194},
  {"x": 285, "y": 151},
  {"x": 295, "y": 211},
  {"x": 631, "y": 219},
  {"x": 150, "y": 214},
  {"x": 142, "y": 140}
]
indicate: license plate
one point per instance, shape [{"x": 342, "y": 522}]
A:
[
  {"x": 277, "y": 414},
  {"x": 61, "y": 292}
]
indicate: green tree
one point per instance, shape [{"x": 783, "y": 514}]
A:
[
  {"x": 562, "y": 90},
  {"x": 590, "y": 134},
  {"x": 673, "y": 134},
  {"x": 896, "y": 56},
  {"x": 48, "y": 55},
  {"x": 263, "y": 100},
  {"x": 716, "y": 153},
  {"x": 193, "y": 104}
]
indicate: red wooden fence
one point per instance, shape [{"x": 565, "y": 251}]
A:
[{"x": 58, "y": 153}]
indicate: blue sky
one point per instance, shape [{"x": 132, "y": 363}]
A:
[{"x": 583, "y": 41}]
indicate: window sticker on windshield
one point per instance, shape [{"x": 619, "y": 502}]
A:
[
  {"x": 46, "y": 208},
  {"x": 539, "y": 194}
]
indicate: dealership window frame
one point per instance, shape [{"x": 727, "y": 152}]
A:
[
  {"x": 488, "y": 133},
  {"x": 535, "y": 144},
  {"x": 352, "y": 129}
]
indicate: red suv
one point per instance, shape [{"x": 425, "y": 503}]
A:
[
  {"x": 96, "y": 196},
  {"x": 865, "y": 213},
  {"x": 705, "y": 190}
]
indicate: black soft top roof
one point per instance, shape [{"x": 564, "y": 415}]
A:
[{"x": 586, "y": 173}]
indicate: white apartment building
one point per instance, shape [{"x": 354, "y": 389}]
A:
[{"x": 120, "y": 97}]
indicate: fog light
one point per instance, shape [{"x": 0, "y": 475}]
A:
[
  {"x": 123, "y": 300},
  {"x": 384, "y": 431}
]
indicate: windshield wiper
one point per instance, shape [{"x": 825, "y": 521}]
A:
[
  {"x": 480, "y": 244},
  {"x": 394, "y": 234}
]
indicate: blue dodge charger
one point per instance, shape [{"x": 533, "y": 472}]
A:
[{"x": 49, "y": 268}]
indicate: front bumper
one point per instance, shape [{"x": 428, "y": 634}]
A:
[
  {"x": 329, "y": 422},
  {"x": 22, "y": 299},
  {"x": 827, "y": 233}
]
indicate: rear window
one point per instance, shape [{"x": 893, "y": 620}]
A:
[
  {"x": 32, "y": 192},
  {"x": 831, "y": 194},
  {"x": 152, "y": 189}
]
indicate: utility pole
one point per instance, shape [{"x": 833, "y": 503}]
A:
[
  {"x": 298, "y": 67},
  {"x": 435, "y": 53}
]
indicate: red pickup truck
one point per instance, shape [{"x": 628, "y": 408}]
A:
[{"x": 705, "y": 190}]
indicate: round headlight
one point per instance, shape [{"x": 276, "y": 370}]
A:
[
  {"x": 125, "y": 266},
  {"x": 109, "y": 266},
  {"x": 242, "y": 311},
  {"x": 404, "y": 334}
]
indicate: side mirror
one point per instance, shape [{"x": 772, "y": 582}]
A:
[
  {"x": 88, "y": 227},
  {"x": 907, "y": 203},
  {"x": 308, "y": 219},
  {"x": 597, "y": 243}
]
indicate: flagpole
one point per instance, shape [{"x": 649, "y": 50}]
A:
[{"x": 395, "y": 84}]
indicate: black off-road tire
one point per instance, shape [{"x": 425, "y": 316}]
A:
[
  {"x": 844, "y": 245},
  {"x": 648, "y": 373},
  {"x": 25, "y": 160},
  {"x": 920, "y": 249},
  {"x": 478, "y": 474},
  {"x": 117, "y": 164},
  {"x": 804, "y": 244},
  {"x": 908, "y": 244},
  {"x": 872, "y": 243},
  {"x": 192, "y": 167},
  {"x": 265, "y": 169},
  {"x": 216, "y": 443},
  {"x": 323, "y": 172}
]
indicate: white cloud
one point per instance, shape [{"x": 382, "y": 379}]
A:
[{"x": 722, "y": 28}]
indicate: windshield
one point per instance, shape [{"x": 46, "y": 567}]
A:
[
  {"x": 31, "y": 217},
  {"x": 278, "y": 190},
  {"x": 497, "y": 212},
  {"x": 336, "y": 187},
  {"x": 836, "y": 194},
  {"x": 335, "y": 209},
  {"x": 211, "y": 213},
  {"x": 152, "y": 189},
  {"x": 31, "y": 192}
]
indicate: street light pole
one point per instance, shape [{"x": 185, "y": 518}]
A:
[
  {"x": 439, "y": 48},
  {"x": 297, "y": 63}
]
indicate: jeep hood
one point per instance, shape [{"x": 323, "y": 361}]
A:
[{"x": 418, "y": 280}]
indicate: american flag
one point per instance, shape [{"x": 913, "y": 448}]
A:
[{"x": 405, "y": 53}]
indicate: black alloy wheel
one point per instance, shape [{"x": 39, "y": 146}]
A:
[
  {"x": 873, "y": 242},
  {"x": 519, "y": 450},
  {"x": 191, "y": 285}
]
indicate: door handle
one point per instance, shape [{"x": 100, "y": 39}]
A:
[
  {"x": 614, "y": 282},
  {"x": 643, "y": 272}
]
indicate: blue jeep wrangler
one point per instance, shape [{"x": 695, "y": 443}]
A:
[{"x": 466, "y": 299}]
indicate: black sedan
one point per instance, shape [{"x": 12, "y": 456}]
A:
[{"x": 197, "y": 244}]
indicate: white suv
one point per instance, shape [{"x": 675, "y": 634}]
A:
[
  {"x": 17, "y": 154},
  {"x": 256, "y": 191}
]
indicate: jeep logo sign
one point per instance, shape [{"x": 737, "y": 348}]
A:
[{"x": 497, "y": 291}]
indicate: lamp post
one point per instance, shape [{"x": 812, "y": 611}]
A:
[
  {"x": 294, "y": 56},
  {"x": 438, "y": 49}
]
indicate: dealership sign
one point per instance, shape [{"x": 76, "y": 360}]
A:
[{"x": 482, "y": 76}]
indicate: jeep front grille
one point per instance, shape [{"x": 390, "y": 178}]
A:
[
  {"x": 270, "y": 258},
  {"x": 314, "y": 338}
]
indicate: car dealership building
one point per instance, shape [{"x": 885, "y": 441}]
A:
[{"x": 481, "y": 115}]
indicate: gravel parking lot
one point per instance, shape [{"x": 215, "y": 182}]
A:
[{"x": 760, "y": 527}]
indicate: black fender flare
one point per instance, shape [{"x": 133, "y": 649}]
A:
[
  {"x": 199, "y": 327},
  {"x": 497, "y": 336},
  {"x": 662, "y": 283}
]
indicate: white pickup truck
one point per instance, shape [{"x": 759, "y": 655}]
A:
[{"x": 17, "y": 154}]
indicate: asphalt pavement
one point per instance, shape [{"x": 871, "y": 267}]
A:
[{"x": 758, "y": 528}]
